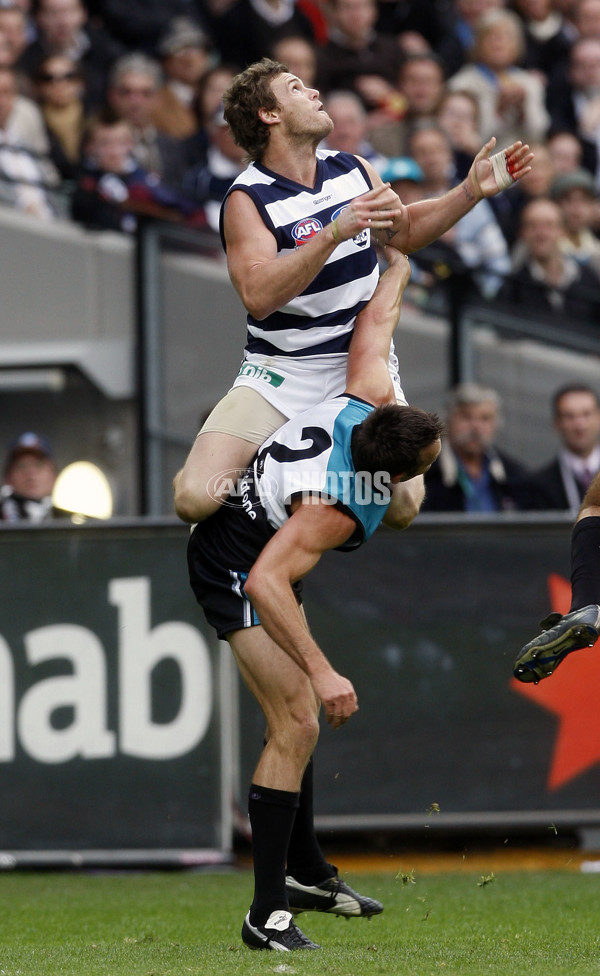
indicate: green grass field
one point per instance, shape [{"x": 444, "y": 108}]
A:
[{"x": 162, "y": 924}]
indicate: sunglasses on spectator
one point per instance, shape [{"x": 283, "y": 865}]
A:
[{"x": 66, "y": 76}]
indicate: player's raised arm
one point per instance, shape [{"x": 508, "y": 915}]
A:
[
  {"x": 367, "y": 373},
  {"x": 422, "y": 222}
]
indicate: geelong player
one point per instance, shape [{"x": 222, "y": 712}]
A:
[{"x": 299, "y": 226}]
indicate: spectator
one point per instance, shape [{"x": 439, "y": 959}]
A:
[
  {"x": 419, "y": 91},
  {"x": 471, "y": 474},
  {"x": 454, "y": 48},
  {"x": 405, "y": 177},
  {"x": 563, "y": 482},
  {"x": 132, "y": 92},
  {"x": 209, "y": 100},
  {"x": 547, "y": 283},
  {"x": 576, "y": 196},
  {"x": 138, "y": 25},
  {"x": 24, "y": 184},
  {"x": 28, "y": 480},
  {"x": 429, "y": 20},
  {"x": 64, "y": 28},
  {"x": 113, "y": 188},
  {"x": 458, "y": 116},
  {"x": 185, "y": 55},
  {"x": 13, "y": 26},
  {"x": 25, "y": 124},
  {"x": 349, "y": 118},
  {"x": 566, "y": 152},
  {"x": 300, "y": 55},
  {"x": 476, "y": 239},
  {"x": 246, "y": 30},
  {"x": 208, "y": 183},
  {"x": 587, "y": 18},
  {"x": 511, "y": 99},
  {"x": 548, "y": 36},
  {"x": 534, "y": 186},
  {"x": 60, "y": 97},
  {"x": 356, "y": 56},
  {"x": 574, "y": 99}
]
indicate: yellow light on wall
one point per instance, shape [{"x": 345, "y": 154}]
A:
[{"x": 82, "y": 489}]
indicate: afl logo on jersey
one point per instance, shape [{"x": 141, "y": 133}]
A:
[
  {"x": 362, "y": 238},
  {"x": 306, "y": 229}
]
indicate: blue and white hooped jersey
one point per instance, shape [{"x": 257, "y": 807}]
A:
[
  {"x": 320, "y": 320},
  {"x": 311, "y": 456}
]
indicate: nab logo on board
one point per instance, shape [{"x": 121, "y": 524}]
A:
[{"x": 305, "y": 230}]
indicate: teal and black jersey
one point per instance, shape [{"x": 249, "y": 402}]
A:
[{"x": 311, "y": 455}]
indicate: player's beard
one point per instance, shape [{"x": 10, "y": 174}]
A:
[{"x": 319, "y": 127}]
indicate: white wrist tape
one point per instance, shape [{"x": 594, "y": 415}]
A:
[{"x": 501, "y": 174}]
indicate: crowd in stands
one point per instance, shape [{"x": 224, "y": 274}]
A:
[{"x": 112, "y": 108}]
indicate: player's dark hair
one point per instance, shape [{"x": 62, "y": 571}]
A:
[
  {"x": 391, "y": 439},
  {"x": 248, "y": 92}
]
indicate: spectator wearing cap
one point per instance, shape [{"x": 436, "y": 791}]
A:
[
  {"x": 184, "y": 51},
  {"x": 28, "y": 480},
  {"x": 576, "y": 196},
  {"x": 404, "y": 176}
]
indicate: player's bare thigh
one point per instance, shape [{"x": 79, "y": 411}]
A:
[{"x": 228, "y": 441}]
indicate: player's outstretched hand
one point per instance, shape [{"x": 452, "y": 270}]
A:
[
  {"x": 491, "y": 174},
  {"x": 337, "y": 697}
]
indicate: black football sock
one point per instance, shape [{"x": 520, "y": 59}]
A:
[
  {"x": 585, "y": 562},
  {"x": 305, "y": 858},
  {"x": 272, "y": 815}
]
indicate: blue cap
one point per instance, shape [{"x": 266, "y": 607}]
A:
[
  {"x": 401, "y": 168},
  {"x": 28, "y": 443}
]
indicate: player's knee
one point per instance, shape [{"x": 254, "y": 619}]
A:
[
  {"x": 304, "y": 733},
  {"x": 191, "y": 505}
]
